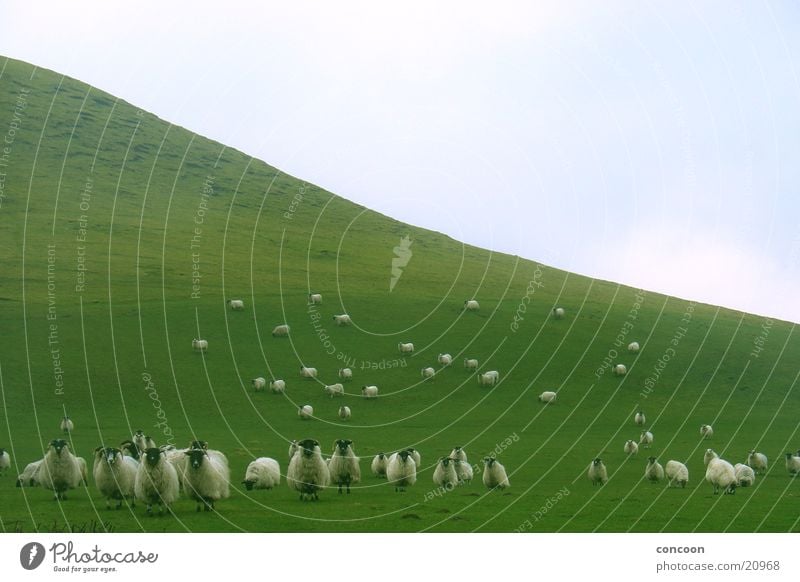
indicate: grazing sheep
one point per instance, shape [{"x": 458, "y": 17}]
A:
[
  {"x": 308, "y": 473},
  {"x": 293, "y": 448},
  {"x": 263, "y": 473},
  {"x": 378, "y": 466},
  {"x": 142, "y": 441},
  {"x": 277, "y": 386},
  {"x": 314, "y": 298},
  {"x": 488, "y": 378},
  {"x": 60, "y": 470},
  {"x": 654, "y": 471},
  {"x": 428, "y": 373},
  {"x": 306, "y": 372},
  {"x": 445, "y": 473},
  {"x": 470, "y": 364},
  {"x": 156, "y": 481},
  {"x": 792, "y": 464},
  {"x": 745, "y": 476},
  {"x": 463, "y": 470},
  {"x": 445, "y": 359},
  {"x": 207, "y": 478},
  {"x": 344, "y": 412},
  {"x": 471, "y": 305},
  {"x": 459, "y": 453},
  {"x": 548, "y": 397},
  {"x": 706, "y": 431},
  {"x": 66, "y": 425},
  {"x": 258, "y": 384},
  {"x": 305, "y": 412},
  {"x": 401, "y": 470},
  {"x": 369, "y": 391},
  {"x": 721, "y": 475},
  {"x": 597, "y": 472},
  {"x": 345, "y": 374},
  {"x": 416, "y": 456},
  {"x": 631, "y": 448},
  {"x": 5, "y": 461},
  {"x": 494, "y": 474},
  {"x": 334, "y": 390},
  {"x": 639, "y": 418},
  {"x": 114, "y": 475},
  {"x": 405, "y": 348},
  {"x": 342, "y": 320},
  {"x": 200, "y": 345},
  {"x": 30, "y": 475},
  {"x": 758, "y": 461},
  {"x": 281, "y": 330},
  {"x": 236, "y": 304},
  {"x": 558, "y": 312},
  {"x": 620, "y": 370},
  {"x": 708, "y": 455},
  {"x": 633, "y": 347},
  {"x": 646, "y": 439},
  {"x": 344, "y": 465},
  {"x": 677, "y": 473}
]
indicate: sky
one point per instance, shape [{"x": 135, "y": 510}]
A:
[{"x": 651, "y": 143}]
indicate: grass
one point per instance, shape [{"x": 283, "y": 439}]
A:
[{"x": 116, "y": 303}]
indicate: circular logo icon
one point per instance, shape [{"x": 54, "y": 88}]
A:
[{"x": 31, "y": 555}]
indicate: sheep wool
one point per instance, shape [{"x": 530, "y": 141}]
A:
[
  {"x": 401, "y": 470},
  {"x": 263, "y": 473},
  {"x": 344, "y": 465},
  {"x": 721, "y": 475},
  {"x": 236, "y": 304},
  {"x": 633, "y": 347},
  {"x": 631, "y": 448},
  {"x": 708, "y": 455},
  {"x": 758, "y": 461},
  {"x": 345, "y": 374},
  {"x": 745, "y": 476},
  {"x": 156, "y": 481},
  {"x": 60, "y": 470},
  {"x": 654, "y": 471},
  {"x": 308, "y": 473},
  {"x": 305, "y": 412},
  {"x": 427, "y": 373},
  {"x": 494, "y": 474},
  {"x": 206, "y": 478},
  {"x": 114, "y": 475},
  {"x": 258, "y": 384},
  {"x": 30, "y": 475},
  {"x": 463, "y": 470},
  {"x": 646, "y": 439},
  {"x": 677, "y": 473},
  {"x": 445, "y": 359},
  {"x": 470, "y": 364},
  {"x": 445, "y": 474},
  {"x": 277, "y": 386},
  {"x": 548, "y": 397},
  {"x": 459, "y": 454},
  {"x": 334, "y": 390}
]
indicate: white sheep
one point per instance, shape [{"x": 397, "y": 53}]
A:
[
  {"x": 470, "y": 364},
  {"x": 721, "y": 475},
  {"x": 639, "y": 418},
  {"x": 342, "y": 320},
  {"x": 60, "y": 470},
  {"x": 314, "y": 298},
  {"x": 708, "y": 455},
  {"x": 792, "y": 464},
  {"x": 646, "y": 439},
  {"x": 308, "y": 473},
  {"x": 706, "y": 431},
  {"x": 654, "y": 471},
  {"x": 258, "y": 384},
  {"x": 405, "y": 348},
  {"x": 633, "y": 347},
  {"x": 114, "y": 475},
  {"x": 281, "y": 330},
  {"x": 200, "y": 345},
  {"x": 207, "y": 478},
  {"x": 334, "y": 390},
  {"x": 401, "y": 470},
  {"x": 620, "y": 370},
  {"x": 428, "y": 372},
  {"x": 548, "y": 397},
  {"x": 369, "y": 391},
  {"x": 471, "y": 305},
  {"x": 344, "y": 412},
  {"x": 494, "y": 474},
  {"x": 677, "y": 473},
  {"x": 236, "y": 304},
  {"x": 745, "y": 476},
  {"x": 344, "y": 465},
  {"x": 305, "y": 412},
  {"x": 459, "y": 453},
  {"x": 156, "y": 481},
  {"x": 416, "y": 456},
  {"x": 445, "y": 474},
  {"x": 67, "y": 425},
  {"x": 463, "y": 470},
  {"x": 631, "y": 448},
  {"x": 597, "y": 472},
  {"x": 378, "y": 466},
  {"x": 558, "y": 312},
  {"x": 488, "y": 378},
  {"x": 345, "y": 374},
  {"x": 277, "y": 386},
  {"x": 445, "y": 359},
  {"x": 758, "y": 461},
  {"x": 30, "y": 475},
  {"x": 262, "y": 473},
  {"x": 307, "y": 372},
  {"x": 142, "y": 441},
  {"x": 5, "y": 461}
]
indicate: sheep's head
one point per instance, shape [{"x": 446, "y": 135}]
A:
[
  {"x": 342, "y": 445},
  {"x": 196, "y": 457},
  {"x": 445, "y": 461},
  {"x": 381, "y": 456},
  {"x": 152, "y": 456},
  {"x": 59, "y": 445},
  {"x": 404, "y": 455},
  {"x": 489, "y": 461},
  {"x": 651, "y": 460},
  {"x": 110, "y": 455},
  {"x": 789, "y": 455},
  {"x": 308, "y": 446},
  {"x": 597, "y": 462},
  {"x": 248, "y": 484}
]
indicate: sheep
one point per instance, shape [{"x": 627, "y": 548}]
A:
[
  {"x": 60, "y": 470},
  {"x": 494, "y": 474},
  {"x": 471, "y": 305},
  {"x": 488, "y": 378},
  {"x": 758, "y": 462},
  {"x": 5, "y": 461},
  {"x": 344, "y": 412},
  {"x": 207, "y": 478},
  {"x": 156, "y": 481},
  {"x": 706, "y": 431},
  {"x": 236, "y": 304},
  {"x": 259, "y": 384},
  {"x": 342, "y": 320},
  {"x": 470, "y": 364},
  {"x": 67, "y": 425},
  {"x": 308, "y": 473},
  {"x": 114, "y": 475},
  {"x": 677, "y": 473},
  {"x": 631, "y": 448},
  {"x": 305, "y": 412},
  {"x": 646, "y": 439},
  {"x": 792, "y": 464},
  {"x": 721, "y": 475},
  {"x": 277, "y": 386},
  {"x": 334, "y": 390},
  {"x": 547, "y": 397},
  {"x": 142, "y": 441},
  {"x": 745, "y": 476},
  {"x": 639, "y": 418},
  {"x": 633, "y": 347},
  {"x": 345, "y": 374},
  {"x": 416, "y": 456},
  {"x": 30, "y": 475},
  {"x": 458, "y": 453},
  {"x": 344, "y": 465},
  {"x": 177, "y": 458},
  {"x": 263, "y": 473},
  {"x": 620, "y": 370},
  {"x": 405, "y": 348},
  {"x": 378, "y": 466},
  {"x": 597, "y": 472},
  {"x": 306, "y": 372},
  {"x": 428, "y": 373},
  {"x": 463, "y": 470},
  {"x": 293, "y": 448},
  {"x": 445, "y": 359},
  {"x": 401, "y": 470},
  {"x": 558, "y": 312},
  {"x": 654, "y": 471},
  {"x": 708, "y": 455},
  {"x": 200, "y": 345},
  {"x": 445, "y": 474},
  {"x": 281, "y": 330},
  {"x": 314, "y": 298},
  {"x": 369, "y": 391}
]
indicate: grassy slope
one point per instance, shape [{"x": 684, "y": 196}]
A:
[{"x": 135, "y": 316}]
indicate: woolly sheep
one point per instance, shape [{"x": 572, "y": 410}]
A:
[
  {"x": 708, "y": 455},
  {"x": 558, "y": 312},
  {"x": 547, "y": 397},
  {"x": 654, "y": 471},
  {"x": 281, "y": 330},
  {"x": 306, "y": 372},
  {"x": 639, "y": 418},
  {"x": 792, "y": 464},
  {"x": 470, "y": 364},
  {"x": 114, "y": 475},
  {"x": 142, "y": 441},
  {"x": 263, "y": 473},
  {"x": 378, "y": 466},
  {"x": 633, "y": 347},
  {"x": 620, "y": 370},
  {"x": 305, "y": 412},
  {"x": 758, "y": 461},
  {"x": 721, "y": 475},
  {"x": 66, "y": 425},
  {"x": 200, "y": 345},
  {"x": 5, "y": 461},
  {"x": 308, "y": 473},
  {"x": 445, "y": 474},
  {"x": 207, "y": 478},
  {"x": 369, "y": 391},
  {"x": 314, "y": 298},
  {"x": 344, "y": 412},
  {"x": 463, "y": 470},
  {"x": 30, "y": 475},
  {"x": 471, "y": 305},
  {"x": 646, "y": 439},
  {"x": 236, "y": 304},
  {"x": 345, "y": 374},
  {"x": 342, "y": 320},
  {"x": 631, "y": 448},
  {"x": 597, "y": 472},
  {"x": 156, "y": 481},
  {"x": 277, "y": 386},
  {"x": 494, "y": 474},
  {"x": 745, "y": 476},
  {"x": 428, "y": 372},
  {"x": 677, "y": 473},
  {"x": 458, "y": 453},
  {"x": 258, "y": 384},
  {"x": 60, "y": 470},
  {"x": 334, "y": 390},
  {"x": 405, "y": 348},
  {"x": 445, "y": 359},
  {"x": 706, "y": 431},
  {"x": 401, "y": 470},
  {"x": 344, "y": 465},
  {"x": 488, "y": 378}
]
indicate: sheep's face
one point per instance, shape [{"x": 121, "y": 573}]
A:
[
  {"x": 59, "y": 445},
  {"x": 110, "y": 455},
  {"x": 152, "y": 456},
  {"x": 196, "y": 458},
  {"x": 651, "y": 460},
  {"x": 489, "y": 461},
  {"x": 248, "y": 484},
  {"x": 308, "y": 446},
  {"x": 343, "y": 445},
  {"x": 597, "y": 462},
  {"x": 789, "y": 455},
  {"x": 445, "y": 461},
  {"x": 404, "y": 455}
]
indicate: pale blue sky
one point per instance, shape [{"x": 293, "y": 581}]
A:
[{"x": 651, "y": 143}]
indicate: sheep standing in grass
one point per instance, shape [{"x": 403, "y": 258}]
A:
[
  {"x": 342, "y": 320},
  {"x": 494, "y": 474},
  {"x": 236, "y": 304},
  {"x": 445, "y": 359},
  {"x": 334, "y": 390},
  {"x": 471, "y": 305},
  {"x": 378, "y": 466},
  {"x": 369, "y": 391},
  {"x": 548, "y": 397},
  {"x": 66, "y": 425},
  {"x": 463, "y": 470},
  {"x": 207, "y": 478},
  {"x": 281, "y": 330},
  {"x": 142, "y": 441},
  {"x": 620, "y": 370},
  {"x": 427, "y": 373},
  {"x": 344, "y": 465},
  {"x": 708, "y": 455},
  {"x": 633, "y": 347},
  {"x": 706, "y": 431},
  {"x": 558, "y": 312},
  {"x": 677, "y": 473},
  {"x": 308, "y": 473},
  {"x": 305, "y": 412},
  {"x": 401, "y": 470},
  {"x": 458, "y": 453},
  {"x": 416, "y": 456},
  {"x": 263, "y": 473},
  {"x": 721, "y": 475},
  {"x": 631, "y": 448},
  {"x": 114, "y": 475},
  {"x": 745, "y": 476},
  {"x": 445, "y": 474},
  {"x": 344, "y": 412},
  {"x": 470, "y": 364},
  {"x": 758, "y": 461},
  {"x": 30, "y": 475},
  {"x": 646, "y": 439},
  {"x": 488, "y": 378},
  {"x": 639, "y": 418},
  {"x": 277, "y": 386},
  {"x": 314, "y": 298},
  {"x": 5, "y": 462},
  {"x": 258, "y": 384},
  {"x": 654, "y": 471},
  {"x": 307, "y": 372},
  {"x": 60, "y": 470},
  {"x": 345, "y": 374},
  {"x": 792, "y": 464},
  {"x": 405, "y": 348},
  {"x": 156, "y": 481},
  {"x": 597, "y": 472},
  {"x": 200, "y": 345}
]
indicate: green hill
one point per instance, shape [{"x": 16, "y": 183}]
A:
[{"x": 123, "y": 236}]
